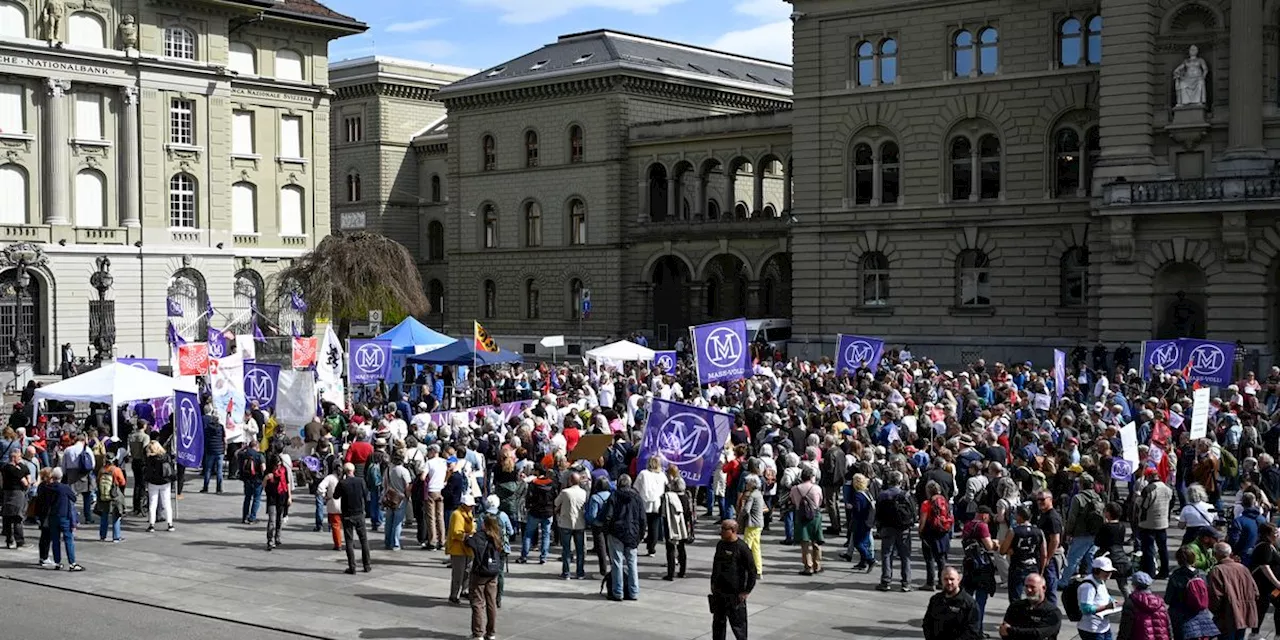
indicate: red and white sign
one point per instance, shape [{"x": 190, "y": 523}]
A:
[
  {"x": 193, "y": 359},
  {"x": 304, "y": 352}
]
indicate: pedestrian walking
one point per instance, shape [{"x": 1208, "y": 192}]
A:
[
  {"x": 110, "y": 506},
  {"x": 351, "y": 494},
  {"x": 807, "y": 499},
  {"x": 676, "y": 510},
  {"x": 63, "y": 519},
  {"x": 251, "y": 468},
  {"x": 14, "y": 485},
  {"x": 626, "y": 528},
  {"x": 332, "y": 505},
  {"x": 733, "y": 577},
  {"x": 279, "y": 496}
]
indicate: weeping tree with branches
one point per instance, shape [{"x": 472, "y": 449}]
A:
[{"x": 348, "y": 275}]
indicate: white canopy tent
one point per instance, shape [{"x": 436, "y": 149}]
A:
[
  {"x": 115, "y": 384},
  {"x": 621, "y": 351}
]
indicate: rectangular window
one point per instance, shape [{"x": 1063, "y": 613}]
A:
[
  {"x": 354, "y": 128},
  {"x": 242, "y": 133},
  {"x": 291, "y": 137},
  {"x": 182, "y": 122},
  {"x": 11, "y": 98},
  {"x": 89, "y": 116}
]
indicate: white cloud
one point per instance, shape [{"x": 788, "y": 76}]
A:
[
  {"x": 534, "y": 11},
  {"x": 771, "y": 41},
  {"x": 416, "y": 25},
  {"x": 765, "y": 9}
]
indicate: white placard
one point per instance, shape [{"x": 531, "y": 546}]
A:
[
  {"x": 1200, "y": 413},
  {"x": 1129, "y": 442},
  {"x": 1041, "y": 401},
  {"x": 553, "y": 342}
]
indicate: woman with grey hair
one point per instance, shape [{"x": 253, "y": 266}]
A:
[
  {"x": 1198, "y": 512},
  {"x": 788, "y": 478}
]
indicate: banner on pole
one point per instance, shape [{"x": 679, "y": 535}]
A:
[
  {"x": 1129, "y": 442},
  {"x": 1200, "y": 413},
  {"x": 296, "y": 398},
  {"x": 150, "y": 364},
  {"x": 720, "y": 351},
  {"x": 226, "y": 386},
  {"x": 1059, "y": 372},
  {"x": 369, "y": 361},
  {"x": 330, "y": 369},
  {"x": 304, "y": 352},
  {"x": 193, "y": 359},
  {"x": 260, "y": 384},
  {"x": 665, "y": 361},
  {"x": 853, "y": 352},
  {"x": 189, "y": 427},
  {"x": 1205, "y": 361},
  {"x": 686, "y": 437}
]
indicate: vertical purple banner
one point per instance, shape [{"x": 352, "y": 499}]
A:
[
  {"x": 188, "y": 429},
  {"x": 1059, "y": 372},
  {"x": 720, "y": 350},
  {"x": 369, "y": 361},
  {"x": 665, "y": 361},
  {"x": 261, "y": 382}
]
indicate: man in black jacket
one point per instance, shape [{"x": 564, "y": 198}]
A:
[
  {"x": 952, "y": 613},
  {"x": 1032, "y": 617},
  {"x": 733, "y": 576},
  {"x": 352, "y": 493},
  {"x": 626, "y": 528}
]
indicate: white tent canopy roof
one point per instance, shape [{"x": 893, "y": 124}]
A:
[
  {"x": 621, "y": 351},
  {"x": 114, "y": 383}
]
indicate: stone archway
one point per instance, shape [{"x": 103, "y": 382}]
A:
[
  {"x": 670, "y": 280},
  {"x": 22, "y": 319},
  {"x": 727, "y": 280},
  {"x": 1180, "y": 302}
]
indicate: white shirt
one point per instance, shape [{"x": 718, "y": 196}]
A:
[
  {"x": 1090, "y": 592},
  {"x": 421, "y": 421},
  {"x": 1197, "y": 515},
  {"x": 332, "y": 505},
  {"x": 397, "y": 429},
  {"x": 71, "y": 457},
  {"x": 437, "y": 469}
]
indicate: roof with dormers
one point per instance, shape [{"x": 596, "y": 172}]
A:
[{"x": 596, "y": 51}]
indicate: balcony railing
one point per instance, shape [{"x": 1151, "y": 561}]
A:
[
  {"x": 100, "y": 235},
  {"x": 31, "y": 233},
  {"x": 1220, "y": 189}
]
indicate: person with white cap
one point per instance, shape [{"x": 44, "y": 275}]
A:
[{"x": 1095, "y": 602}]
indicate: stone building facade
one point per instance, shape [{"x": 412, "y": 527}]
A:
[{"x": 186, "y": 142}]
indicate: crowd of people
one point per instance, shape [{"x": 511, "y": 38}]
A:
[{"x": 989, "y": 475}]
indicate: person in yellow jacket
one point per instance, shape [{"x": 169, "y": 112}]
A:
[
  {"x": 461, "y": 524},
  {"x": 268, "y": 432}
]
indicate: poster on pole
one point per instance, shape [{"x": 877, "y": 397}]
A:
[
  {"x": 1059, "y": 373},
  {"x": 855, "y": 352},
  {"x": 720, "y": 351},
  {"x": 1200, "y": 413},
  {"x": 189, "y": 428},
  {"x": 686, "y": 437},
  {"x": 1129, "y": 442}
]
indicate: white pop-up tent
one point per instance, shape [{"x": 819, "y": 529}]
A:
[
  {"x": 621, "y": 351},
  {"x": 115, "y": 384}
]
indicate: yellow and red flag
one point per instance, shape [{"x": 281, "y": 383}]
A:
[{"x": 484, "y": 342}]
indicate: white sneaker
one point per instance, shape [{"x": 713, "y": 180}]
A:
[{"x": 46, "y": 563}]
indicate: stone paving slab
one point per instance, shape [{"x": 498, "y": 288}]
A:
[{"x": 213, "y": 565}]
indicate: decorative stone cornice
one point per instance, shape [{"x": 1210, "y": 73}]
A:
[
  {"x": 386, "y": 90},
  {"x": 628, "y": 84},
  {"x": 671, "y": 90}
]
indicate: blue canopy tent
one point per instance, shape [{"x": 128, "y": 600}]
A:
[
  {"x": 410, "y": 333},
  {"x": 462, "y": 353}
]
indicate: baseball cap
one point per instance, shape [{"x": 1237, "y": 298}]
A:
[
  {"x": 1101, "y": 563},
  {"x": 469, "y": 500},
  {"x": 492, "y": 503},
  {"x": 452, "y": 459}
]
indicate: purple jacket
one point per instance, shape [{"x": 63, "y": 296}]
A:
[{"x": 1145, "y": 617}]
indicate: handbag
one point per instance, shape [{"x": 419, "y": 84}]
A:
[{"x": 392, "y": 499}]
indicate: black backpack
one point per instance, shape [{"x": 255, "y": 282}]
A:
[
  {"x": 895, "y": 512},
  {"x": 487, "y": 561},
  {"x": 1071, "y": 596}
]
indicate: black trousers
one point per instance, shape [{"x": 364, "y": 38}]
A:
[
  {"x": 353, "y": 526},
  {"x": 139, "y": 487},
  {"x": 419, "y": 514},
  {"x": 728, "y": 608},
  {"x": 654, "y": 524},
  {"x": 676, "y": 552},
  {"x": 13, "y": 530}
]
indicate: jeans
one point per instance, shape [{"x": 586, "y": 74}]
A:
[
  {"x": 625, "y": 579},
  {"x": 1081, "y": 546},
  {"x": 788, "y": 526},
  {"x": 62, "y": 533},
  {"x": 373, "y": 506},
  {"x": 212, "y": 465},
  {"x": 860, "y": 541},
  {"x": 1150, "y": 540},
  {"x": 934, "y": 548},
  {"x": 395, "y": 526},
  {"x": 536, "y": 525},
  {"x": 1017, "y": 579},
  {"x": 1051, "y": 576},
  {"x": 980, "y": 597},
  {"x": 109, "y": 521},
  {"x": 252, "y": 498},
  {"x": 275, "y": 521},
  {"x": 578, "y": 537},
  {"x": 353, "y": 527},
  {"x": 320, "y": 511},
  {"x": 894, "y": 543},
  {"x": 89, "y": 499}
]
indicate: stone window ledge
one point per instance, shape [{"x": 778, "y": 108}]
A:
[
  {"x": 977, "y": 310},
  {"x": 873, "y": 311}
]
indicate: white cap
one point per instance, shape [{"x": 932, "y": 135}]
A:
[
  {"x": 470, "y": 501},
  {"x": 1103, "y": 563}
]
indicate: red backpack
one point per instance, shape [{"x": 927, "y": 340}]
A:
[{"x": 940, "y": 519}]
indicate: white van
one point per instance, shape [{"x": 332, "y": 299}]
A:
[{"x": 775, "y": 331}]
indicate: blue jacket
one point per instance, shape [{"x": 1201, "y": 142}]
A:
[
  {"x": 215, "y": 438},
  {"x": 1242, "y": 535},
  {"x": 626, "y": 520},
  {"x": 595, "y": 508},
  {"x": 60, "y": 502}
]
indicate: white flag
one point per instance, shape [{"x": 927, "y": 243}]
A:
[
  {"x": 330, "y": 364},
  {"x": 296, "y": 399},
  {"x": 226, "y": 381},
  {"x": 246, "y": 348}
]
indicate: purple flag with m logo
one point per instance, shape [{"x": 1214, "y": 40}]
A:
[
  {"x": 721, "y": 352},
  {"x": 260, "y": 384},
  {"x": 686, "y": 437},
  {"x": 854, "y": 352},
  {"x": 188, "y": 429},
  {"x": 1204, "y": 361}
]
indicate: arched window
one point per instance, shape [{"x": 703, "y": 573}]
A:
[
  {"x": 187, "y": 289},
  {"x": 242, "y": 59},
  {"x": 91, "y": 199},
  {"x": 435, "y": 295},
  {"x": 1068, "y": 162},
  {"x": 291, "y": 211},
  {"x": 1074, "y": 269},
  {"x": 353, "y": 187},
  {"x": 973, "y": 278},
  {"x": 289, "y": 65},
  {"x": 531, "y": 148},
  {"x": 488, "y": 150},
  {"x": 578, "y": 222},
  {"x": 770, "y": 211},
  {"x": 532, "y": 300},
  {"x": 13, "y": 20},
  {"x": 577, "y": 149},
  {"x": 741, "y": 212},
  {"x": 575, "y": 298},
  {"x": 182, "y": 201},
  {"x": 889, "y": 61},
  {"x": 436, "y": 194},
  {"x": 86, "y": 29},
  {"x": 961, "y": 168},
  {"x": 490, "y": 300},
  {"x": 864, "y": 171},
  {"x": 989, "y": 158},
  {"x": 180, "y": 43},
  {"x": 988, "y": 51},
  {"x": 1070, "y": 42},
  {"x": 713, "y": 210},
  {"x": 244, "y": 208},
  {"x": 490, "y": 231},
  {"x": 247, "y": 299},
  {"x": 890, "y": 173},
  {"x": 657, "y": 192},
  {"x": 975, "y": 56},
  {"x": 865, "y": 60},
  {"x": 435, "y": 240},
  {"x": 532, "y": 224},
  {"x": 874, "y": 269},
  {"x": 1093, "y": 41},
  {"x": 962, "y": 52},
  {"x": 975, "y": 167},
  {"x": 13, "y": 183}
]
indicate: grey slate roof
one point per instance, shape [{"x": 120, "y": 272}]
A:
[{"x": 593, "y": 50}]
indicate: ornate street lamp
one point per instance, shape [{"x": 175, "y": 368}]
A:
[
  {"x": 22, "y": 256},
  {"x": 102, "y": 316}
]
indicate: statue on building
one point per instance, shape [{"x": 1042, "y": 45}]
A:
[
  {"x": 50, "y": 24},
  {"x": 1185, "y": 316},
  {"x": 129, "y": 32},
  {"x": 1189, "y": 79}
]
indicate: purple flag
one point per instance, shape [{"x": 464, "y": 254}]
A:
[
  {"x": 253, "y": 318},
  {"x": 1059, "y": 372},
  {"x": 1166, "y": 354},
  {"x": 686, "y": 437},
  {"x": 208, "y": 309},
  {"x": 721, "y": 351},
  {"x": 217, "y": 343},
  {"x": 854, "y": 352},
  {"x": 150, "y": 364},
  {"x": 296, "y": 301},
  {"x": 189, "y": 429},
  {"x": 174, "y": 308},
  {"x": 175, "y": 339},
  {"x": 260, "y": 384},
  {"x": 665, "y": 361},
  {"x": 369, "y": 361},
  {"x": 296, "y": 332},
  {"x": 1206, "y": 361}
]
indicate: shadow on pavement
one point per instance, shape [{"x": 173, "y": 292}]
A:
[
  {"x": 410, "y": 632},
  {"x": 409, "y": 600}
]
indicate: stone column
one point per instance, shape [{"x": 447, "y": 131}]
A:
[
  {"x": 57, "y": 153},
  {"x": 673, "y": 193},
  {"x": 757, "y": 201},
  {"x": 729, "y": 207},
  {"x": 753, "y": 299},
  {"x": 642, "y": 189},
  {"x": 700, "y": 207},
  {"x": 786, "y": 191},
  {"x": 130, "y": 159},
  {"x": 1246, "y": 87},
  {"x": 1125, "y": 122}
]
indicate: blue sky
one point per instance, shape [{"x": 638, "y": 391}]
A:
[{"x": 483, "y": 33}]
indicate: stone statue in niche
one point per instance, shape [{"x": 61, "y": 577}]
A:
[
  {"x": 129, "y": 32},
  {"x": 50, "y": 23},
  {"x": 1189, "y": 79}
]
